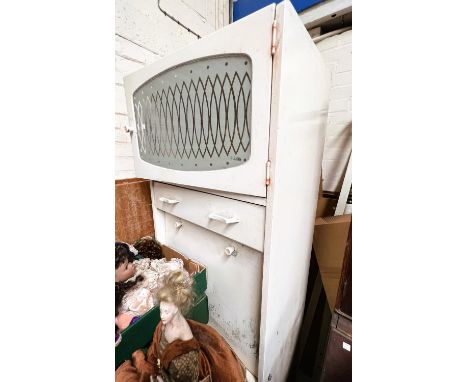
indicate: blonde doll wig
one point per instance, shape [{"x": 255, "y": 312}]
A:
[{"x": 177, "y": 289}]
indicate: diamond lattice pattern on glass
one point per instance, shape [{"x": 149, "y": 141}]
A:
[{"x": 196, "y": 116}]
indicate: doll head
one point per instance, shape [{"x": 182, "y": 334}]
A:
[
  {"x": 149, "y": 247},
  {"x": 124, "y": 268},
  {"x": 168, "y": 311},
  {"x": 121, "y": 288},
  {"x": 175, "y": 295}
]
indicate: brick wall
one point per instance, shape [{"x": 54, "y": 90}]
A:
[
  {"x": 336, "y": 52},
  {"x": 142, "y": 35}
]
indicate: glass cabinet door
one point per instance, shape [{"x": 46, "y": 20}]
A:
[{"x": 200, "y": 116}]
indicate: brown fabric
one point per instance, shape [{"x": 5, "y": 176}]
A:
[
  {"x": 176, "y": 348},
  {"x": 183, "y": 368},
  {"x": 138, "y": 370},
  {"x": 141, "y": 364},
  {"x": 126, "y": 372},
  {"x": 216, "y": 358},
  {"x": 223, "y": 362}
]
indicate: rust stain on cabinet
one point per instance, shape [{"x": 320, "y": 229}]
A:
[{"x": 133, "y": 209}]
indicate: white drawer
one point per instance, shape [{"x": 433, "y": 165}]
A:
[
  {"x": 234, "y": 284},
  {"x": 241, "y": 221}
]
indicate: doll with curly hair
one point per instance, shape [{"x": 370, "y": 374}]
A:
[
  {"x": 139, "y": 272},
  {"x": 149, "y": 248},
  {"x": 182, "y": 350},
  {"x": 124, "y": 270}
]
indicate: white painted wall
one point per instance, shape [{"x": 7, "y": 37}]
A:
[
  {"x": 142, "y": 35},
  {"x": 336, "y": 52}
]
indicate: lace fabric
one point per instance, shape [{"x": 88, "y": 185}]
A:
[
  {"x": 154, "y": 271},
  {"x": 138, "y": 301},
  {"x": 142, "y": 298}
]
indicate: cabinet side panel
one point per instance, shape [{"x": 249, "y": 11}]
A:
[{"x": 298, "y": 118}]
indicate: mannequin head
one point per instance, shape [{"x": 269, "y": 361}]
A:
[
  {"x": 124, "y": 268},
  {"x": 176, "y": 295}
]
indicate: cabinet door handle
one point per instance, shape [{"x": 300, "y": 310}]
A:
[
  {"x": 168, "y": 201},
  {"x": 230, "y": 251},
  {"x": 224, "y": 219}
]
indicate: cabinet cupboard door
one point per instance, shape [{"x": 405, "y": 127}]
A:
[
  {"x": 234, "y": 284},
  {"x": 201, "y": 115}
]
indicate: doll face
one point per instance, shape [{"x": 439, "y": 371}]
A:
[
  {"x": 168, "y": 311},
  {"x": 124, "y": 271}
]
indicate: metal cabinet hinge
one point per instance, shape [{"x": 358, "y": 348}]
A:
[
  {"x": 268, "y": 178},
  {"x": 273, "y": 37}
]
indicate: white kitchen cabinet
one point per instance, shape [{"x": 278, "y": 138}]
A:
[{"x": 231, "y": 131}]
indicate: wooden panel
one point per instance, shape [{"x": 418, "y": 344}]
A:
[
  {"x": 344, "y": 297},
  {"x": 338, "y": 358},
  {"x": 196, "y": 207},
  {"x": 133, "y": 210},
  {"x": 344, "y": 325}
]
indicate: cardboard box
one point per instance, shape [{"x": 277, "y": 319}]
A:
[
  {"x": 330, "y": 236},
  {"x": 325, "y": 205}
]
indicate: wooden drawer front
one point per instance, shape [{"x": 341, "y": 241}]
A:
[
  {"x": 240, "y": 221},
  {"x": 338, "y": 358},
  {"x": 234, "y": 284}
]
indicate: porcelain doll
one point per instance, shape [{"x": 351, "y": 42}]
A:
[
  {"x": 124, "y": 257},
  {"x": 149, "y": 248},
  {"x": 125, "y": 269},
  {"x": 138, "y": 280},
  {"x": 182, "y": 350}
]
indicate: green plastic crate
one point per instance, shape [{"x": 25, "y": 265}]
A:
[{"x": 140, "y": 334}]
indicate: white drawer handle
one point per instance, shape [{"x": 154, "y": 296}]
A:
[
  {"x": 168, "y": 201},
  {"x": 224, "y": 219}
]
